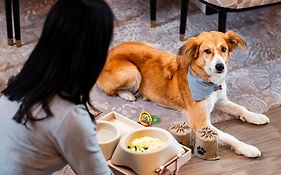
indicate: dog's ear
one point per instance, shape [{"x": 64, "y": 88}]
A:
[
  {"x": 188, "y": 51},
  {"x": 233, "y": 40}
]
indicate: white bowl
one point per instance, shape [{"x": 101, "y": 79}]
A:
[
  {"x": 145, "y": 163},
  {"x": 108, "y": 136}
]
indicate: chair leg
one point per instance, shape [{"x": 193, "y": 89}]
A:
[
  {"x": 16, "y": 13},
  {"x": 184, "y": 11},
  {"x": 210, "y": 11},
  {"x": 153, "y": 4},
  {"x": 9, "y": 24},
  {"x": 222, "y": 21}
]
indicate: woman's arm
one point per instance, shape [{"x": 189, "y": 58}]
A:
[{"x": 76, "y": 141}]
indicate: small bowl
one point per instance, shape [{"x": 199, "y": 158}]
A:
[
  {"x": 108, "y": 136},
  {"x": 145, "y": 163}
]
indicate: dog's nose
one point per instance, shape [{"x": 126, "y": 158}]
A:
[{"x": 219, "y": 67}]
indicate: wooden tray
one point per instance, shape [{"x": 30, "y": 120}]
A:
[{"x": 126, "y": 125}]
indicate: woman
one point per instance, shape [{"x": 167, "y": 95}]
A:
[{"x": 44, "y": 120}]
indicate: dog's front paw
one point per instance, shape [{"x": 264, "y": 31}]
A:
[
  {"x": 248, "y": 150},
  {"x": 255, "y": 118}
]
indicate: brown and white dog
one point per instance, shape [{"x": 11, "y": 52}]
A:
[{"x": 165, "y": 78}]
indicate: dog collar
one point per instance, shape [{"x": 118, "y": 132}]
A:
[{"x": 200, "y": 88}]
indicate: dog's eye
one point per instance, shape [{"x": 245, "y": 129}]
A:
[
  {"x": 207, "y": 51},
  {"x": 223, "y": 49}
]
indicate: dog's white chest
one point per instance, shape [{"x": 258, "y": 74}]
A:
[{"x": 214, "y": 97}]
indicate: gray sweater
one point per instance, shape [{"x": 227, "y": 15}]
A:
[{"x": 68, "y": 136}]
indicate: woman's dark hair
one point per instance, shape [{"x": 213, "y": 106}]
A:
[{"x": 67, "y": 59}]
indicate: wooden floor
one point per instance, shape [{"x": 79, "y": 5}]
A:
[{"x": 266, "y": 137}]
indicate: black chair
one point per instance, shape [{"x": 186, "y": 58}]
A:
[
  {"x": 213, "y": 7},
  {"x": 222, "y": 12},
  {"x": 184, "y": 9},
  {"x": 13, "y": 22}
]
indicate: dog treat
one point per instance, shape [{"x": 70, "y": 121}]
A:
[
  {"x": 206, "y": 144},
  {"x": 182, "y": 133}
]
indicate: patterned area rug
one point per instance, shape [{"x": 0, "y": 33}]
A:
[
  {"x": 254, "y": 78},
  {"x": 254, "y": 74}
]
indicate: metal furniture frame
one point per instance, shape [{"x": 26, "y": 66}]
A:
[{"x": 13, "y": 22}]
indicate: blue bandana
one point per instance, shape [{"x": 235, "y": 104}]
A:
[{"x": 199, "y": 88}]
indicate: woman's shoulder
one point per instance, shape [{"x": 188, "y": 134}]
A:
[
  {"x": 67, "y": 115},
  {"x": 62, "y": 107},
  {"x": 71, "y": 117}
]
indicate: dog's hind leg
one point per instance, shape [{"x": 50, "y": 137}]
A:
[
  {"x": 123, "y": 81},
  {"x": 126, "y": 95},
  {"x": 131, "y": 88}
]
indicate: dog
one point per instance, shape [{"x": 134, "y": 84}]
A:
[{"x": 192, "y": 81}]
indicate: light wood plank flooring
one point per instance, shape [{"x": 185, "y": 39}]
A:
[{"x": 266, "y": 137}]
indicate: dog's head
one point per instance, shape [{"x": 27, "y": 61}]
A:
[{"x": 208, "y": 53}]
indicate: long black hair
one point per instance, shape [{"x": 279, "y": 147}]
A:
[{"x": 67, "y": 59}]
